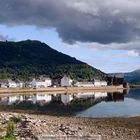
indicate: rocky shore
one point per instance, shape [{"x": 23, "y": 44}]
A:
[{"x": 42, "y": 127}]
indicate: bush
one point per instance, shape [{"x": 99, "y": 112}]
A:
[
  {"x": 16, "y": 119},
  {"x": 10, "y": 129}
]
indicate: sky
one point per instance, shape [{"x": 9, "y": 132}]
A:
[{"x": 103, "y": 33}]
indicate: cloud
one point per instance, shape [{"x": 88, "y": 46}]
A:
[
  {"x": 132, "y": 48},
  {"x": 101, "y": 21},
  {"x": 133, "y": 53}
]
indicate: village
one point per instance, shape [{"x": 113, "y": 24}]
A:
[{"x": 65, "y": 81}]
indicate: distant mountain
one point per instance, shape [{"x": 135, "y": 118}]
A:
[
  {"x": 133, "y": 77},
  {"x": 117, "y": 74},
  {"x": 27, "y": 59}
]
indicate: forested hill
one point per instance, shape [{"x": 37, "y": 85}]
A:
[{"x": 27, "y": 59}]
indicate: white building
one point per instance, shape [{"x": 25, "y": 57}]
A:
[
  {"x": 41, "y": 83},
  {"x": 11, "y": 84},
  {"x": 84, "y": 84},
  {"x": 20, "y": 84},
  {"x": 98, "y": 83},
  {"x": 66, "y": 81},
  {"x": 8, "y": 83}
]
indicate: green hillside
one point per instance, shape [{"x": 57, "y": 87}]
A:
[{"x": 27, "y": 59}]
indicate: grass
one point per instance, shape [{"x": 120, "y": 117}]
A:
[
  {"x": 9, "y": 132},
  {"x": 11, "y": 138}
]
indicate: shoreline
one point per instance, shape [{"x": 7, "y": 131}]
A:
[
  {"x": 134, "y": 86},
  {"x": 35, "y": 126},
  {"x": 64, "y": 89}
]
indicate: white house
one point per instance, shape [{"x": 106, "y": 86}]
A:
[
  {"x": 66, "y": 81},
  {"x": 98, "y": 83},
  {"x": 11, "y": 84},
  {"x": 8, "y": 83},
  {"x": 41, "y": 83},
  {"x": 84, "y": 84}
]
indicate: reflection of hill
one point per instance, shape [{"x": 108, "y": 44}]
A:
[
  {"x": 134, "y": 93},
  {"x": 115, "y": 97},
  {"x": 82, "y": 104}
]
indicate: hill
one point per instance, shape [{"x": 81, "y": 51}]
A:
[
  {"x": 133, "y": 77},
  {"x": 27, "y": 59}
]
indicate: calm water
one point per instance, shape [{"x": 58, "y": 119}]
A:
[{"x": 90, "y": 104}]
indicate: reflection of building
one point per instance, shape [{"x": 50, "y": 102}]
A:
[
  {"x": 34, "y": 98},
  {"x": 100, "y": 94},
  {"x": 13, "y": 99},
  {"x": 92, "y": 94},
  {"x": 41, "y": 97},
  {"x": 66, "y": 98},
  {"x": 85, "y": 95},
  {"x": 66, "y": 81}
]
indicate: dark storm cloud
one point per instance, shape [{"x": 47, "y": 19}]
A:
[{"x": 102, "y": 21}]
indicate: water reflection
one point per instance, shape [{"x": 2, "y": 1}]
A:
[
  {"x": 116, "y": 105},
  {"x": 64, "y": 98},
  {"x": 60, "y": 103},
  {"x": 83, "y": 104}
]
